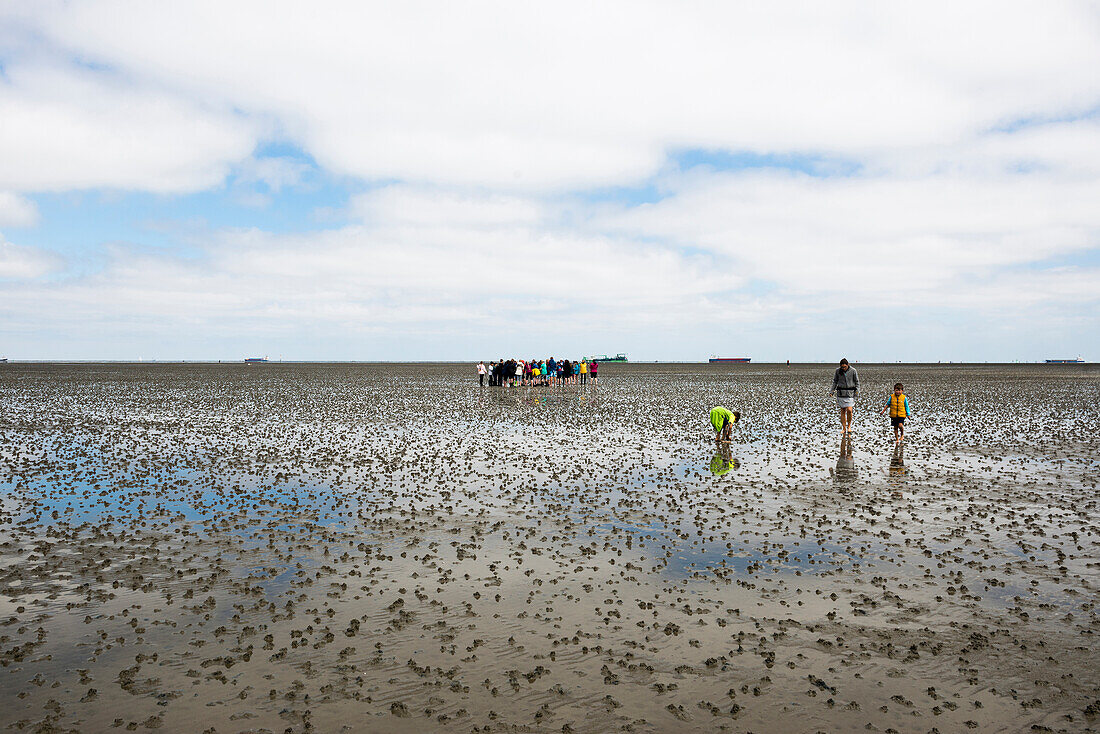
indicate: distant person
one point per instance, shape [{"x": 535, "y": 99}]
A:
[
  {"x": 584, "y": 372},
  {"x": 846, "y": 386},
  {"x": 594, "y": 369},
  {"x": 481, "y": 373},
  {"x": 722, "y": 419},
  {"x": 519, "y": 372},
  {"x": 898, "y": 405}
]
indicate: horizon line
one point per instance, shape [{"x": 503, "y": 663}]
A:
[{"x": 474, "y": 362}]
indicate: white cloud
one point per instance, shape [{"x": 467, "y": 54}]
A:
[
  {"x": 407, "y": 275},
  {"x": 1068, "y": 149},
  {"x": 18, "y": 262},
  {"x": 397, "y": 272},
  {"x": 17, "y": 211},
  {"x": 1039, "y": 289},
  {"x": 521, "y": 96},
  {"x": 872, "y": 242},
  {"x": 480, "y": 128},
  {"x": 403, "y": 262},
  {"x": 905, "y": 236},
  {"x": 67, "y": 128},
  {"x": 411, "y": 205}
]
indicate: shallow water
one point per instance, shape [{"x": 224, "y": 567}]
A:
[{"x": 391, "y": 548}]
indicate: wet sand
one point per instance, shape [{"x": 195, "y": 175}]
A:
[{"x": 390, "y": 548}]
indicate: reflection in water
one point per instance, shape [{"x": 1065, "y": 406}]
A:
[
  {"x": 845, "y": 471},
  {"x": 723, "y": 461},
  {"x": 898, "y": 469},
  {"x": 535, "y": 397},
  {"x": 897, "y": 462}
]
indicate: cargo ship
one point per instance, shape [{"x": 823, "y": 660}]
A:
[
  {"x": 1065, "y": 361},
  {"x": 730, "y": 360},
  {"x": 255, "y": 360},
  {"x": 604, "y": 358}
]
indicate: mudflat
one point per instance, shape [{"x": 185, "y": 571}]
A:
[{"x": 390, "y": 548}]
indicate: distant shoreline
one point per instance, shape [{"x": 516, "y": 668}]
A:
[{"x": 726, "y": 366}]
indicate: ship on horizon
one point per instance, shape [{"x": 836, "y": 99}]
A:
[
  {"x": 255, "y": 360},
  {"x": 1065, "y": 361},
  {"x": 620, "y": 357},
  {"x": 730, "y": 360}
]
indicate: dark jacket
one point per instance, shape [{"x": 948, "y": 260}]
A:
[{"x": 846, "y": 384}]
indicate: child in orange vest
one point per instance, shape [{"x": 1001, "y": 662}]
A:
[{"x": 898, "y": 405}]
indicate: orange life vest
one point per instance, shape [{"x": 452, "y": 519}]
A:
[{"x": 897, "y": 406}]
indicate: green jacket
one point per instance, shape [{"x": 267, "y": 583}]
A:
[{"x": 719, "y": 415}]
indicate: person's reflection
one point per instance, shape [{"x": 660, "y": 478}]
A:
[
  {"x": 845, "y": 471},
  {"x": 898, "y": 469},
  {"x": 723, "y": 462}
]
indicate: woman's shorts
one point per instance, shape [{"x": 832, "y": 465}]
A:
[
  {"x": 895, "y": 422},
  {"x": 845, "y": 402}
]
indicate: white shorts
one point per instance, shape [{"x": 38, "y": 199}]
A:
[{"x": 845, "y": 402}]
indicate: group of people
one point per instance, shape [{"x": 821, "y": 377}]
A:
[
  {"x": 549, "y": 371},
  {"x": 846, "y": 388}
]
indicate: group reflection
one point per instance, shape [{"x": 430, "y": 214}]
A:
[
  {"x": 846, "y": 472},
  {"x": 526, "y": 396}
]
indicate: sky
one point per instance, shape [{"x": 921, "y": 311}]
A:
[{"x": 437, "y": 181}]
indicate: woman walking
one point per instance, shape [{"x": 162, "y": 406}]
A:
[{"x": 846, "y": 386}]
